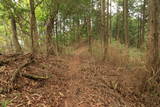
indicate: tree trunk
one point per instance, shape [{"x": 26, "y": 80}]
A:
[
  {"x": 110, "y": 21},
  {"x": 105, "y": 26},
  {"x": 118, "y": 25},
  {"x": 49, "y": 41},
  {"x": 50, "y": 27},
  {"x": 15, "y": 38},
  {"x": 100, "y": 19},
  {"x": 139, "y": 32},
  {"x": 89, "y": 30},
  {"x": 126, "y": 22},
  {"x": 143, "y": 23},
  {"x": 78, "y": 31},
  {"x": 89, "y": 26},
  {"x": 153, "y": 36},
  {"x": 33, "y": 27},
  {"x": 56, "y": 32}
]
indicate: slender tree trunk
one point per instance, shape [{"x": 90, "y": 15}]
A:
[
  {"x": 50, "y": 28},
  {"x": 74, "y": 30},
  {"x": 139, "y": 32},
  {"x": 153, "y": 36},
  {"x": 49, "y": 41},
  {"x": 126, "y": 22},
  {"x": 107, "y": 31},
  {"x": 78, "y": 30},
  {"x": 64, "y": 30},
  {"x": 89, "y": 26},
  {"x": 89, "y": 30},
  {"x": 64, "y": 22},
  {"x": 105, "y": 26},
  {"x": 34, "y": 31},
  {"x": 9, "y": 40},
  {"x": 15, "y": 38},
  {"x": 110, "y": 21},
  {"x": 56, "y": 32},
  {"x": 100, "y": 19},
  {"x": 60, "y": 25},
  {"x": 118, "y": 24},
  {"x": 123, "y": 29},
  {"x": 143, "y": 22}
]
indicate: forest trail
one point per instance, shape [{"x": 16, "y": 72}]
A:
[
  {"x": 76, "y": 81},
  {"x": 73, "y": 83},
  {"x": 84, "y": 71},
  {"x": 84, "y": 53}
]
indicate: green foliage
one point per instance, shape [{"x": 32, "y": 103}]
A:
[
  {"x": 5, "y": 103},
  {"x": 133, "y": 51},
  {"x": 67, "y": 14}
]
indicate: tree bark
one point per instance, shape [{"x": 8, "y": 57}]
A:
[
  {"x": 33, "y": 27},
  {"x": 89, "y": 26},
  {"x": 126, "y": 22},
  {"x": 15, "y": 38},
  {"x": 49, "y": 41},
  {"x": 143, "y": 23},
  {"x": 117, "y": 36},
  {"x": 105, "y": 26},
  {"x": 139, "y": 32},
  {"x": 89, "y": 30},
  {"x": 56, "y": 32},
  {"x": 153, "y": 36},
  {"x": 78, "y": 31},
  {"x": 110, "y": 20}
]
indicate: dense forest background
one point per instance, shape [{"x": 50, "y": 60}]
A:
[
  {"x": 124, "y": 33},
  {"x": 67, "y": 21}
]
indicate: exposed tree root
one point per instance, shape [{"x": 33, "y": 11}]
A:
[
  {"x": 14, "y": 78},
  {"x": 17, "y": 72},
  {"x": 34, "y": 77}
]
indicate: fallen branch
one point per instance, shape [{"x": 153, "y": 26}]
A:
[
  {"x": 34, "y": 77},
  {"x": 16, "y": 73},
  {"x": 113, "y": 75}
]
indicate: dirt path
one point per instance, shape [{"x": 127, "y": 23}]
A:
[
  {"x": 73, "y": 68},
  {"x": 73, "y": 83},
  {"x": 76, "y": 84}
]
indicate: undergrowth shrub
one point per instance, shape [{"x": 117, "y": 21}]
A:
[
  {"x": 151, "y": 89},
  {"x": 5, "y": 103},
  {"x": 119, "y": 55},
  {"x": 68, "y": 51}
]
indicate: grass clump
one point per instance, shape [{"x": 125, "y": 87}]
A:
[{"x": 5, "y": 103}]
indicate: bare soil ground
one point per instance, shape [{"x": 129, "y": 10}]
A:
[{"x": 74, "y": 81}]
